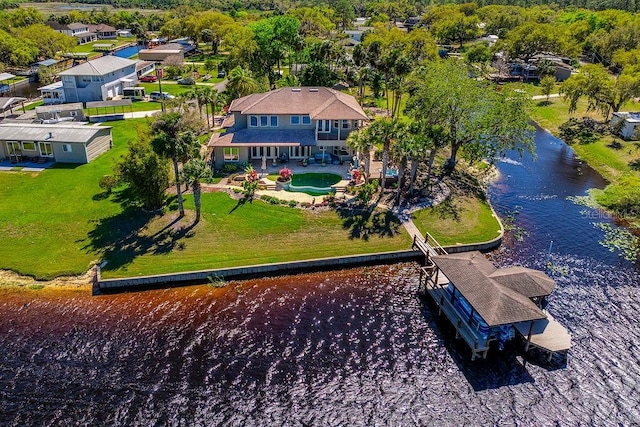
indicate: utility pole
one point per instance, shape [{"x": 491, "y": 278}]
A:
[{"x": 159, "y": 76}]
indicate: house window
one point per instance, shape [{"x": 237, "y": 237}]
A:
[
  {"x": 73, "y": 113},
  {"x": 231, "y": 154},
  {"x": 264, "y": 121},
  {"x": 324, "y": 126},
  {"x": 30, "y": 146},
  {"x": 295, "y": 120},
  {"x": 66, "y": 148},
  {"x": 253, "y": 121},
  {"x": 336, "y": 123},
  {"x": 345, "y": 124},
  {"x": 306, "y": 120},
  {"x": 273, "y": 121}
]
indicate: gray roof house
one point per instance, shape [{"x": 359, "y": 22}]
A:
[
  {"x": 98, "y": 80},
  {"x": 76, "y": 29},
  {"x": 103, "y": 31},
  {"x": 59, "y": 143},
  {"x": 288, "y": 123}
]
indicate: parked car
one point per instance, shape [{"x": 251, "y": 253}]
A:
[
  {"x": 157, "y": 96},
  {"x": 149, "y": 78},
  {"x": 186, "y": 81}
]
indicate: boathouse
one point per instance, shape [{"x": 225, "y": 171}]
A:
[{"x": 486, "y": 304}]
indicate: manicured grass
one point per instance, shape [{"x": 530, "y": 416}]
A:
[
  {"x": 58, "y": 221},
  {"x": 135, "y": 106},
  {"x": 611, "y": 163},
  {"x": 172, "y": 88},
  {"x": 236, "y": 234},
  {"x": 45, "y": 217},
  {"x": 33, "y": 105},
  {"x": 458, "y": 221},
  {"x": 88, "y": 47}
]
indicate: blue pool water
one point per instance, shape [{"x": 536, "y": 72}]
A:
[{"x": 127, "y": 52}]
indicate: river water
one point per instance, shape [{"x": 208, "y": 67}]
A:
[{"x": 357, "y": 347}]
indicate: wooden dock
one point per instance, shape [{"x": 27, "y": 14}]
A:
[{"x": 552, "y": 337}]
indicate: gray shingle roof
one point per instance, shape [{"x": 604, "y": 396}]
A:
[
  {"x": 498, "y": 298},
  {"x": 303, "y": 137},
  {"x": 50, "y": 133},
  {"x": 320, "y": 103},
  {"x": 99, "y": 67}
]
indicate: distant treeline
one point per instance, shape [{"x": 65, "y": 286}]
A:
[{"x": 360, "y": 6}]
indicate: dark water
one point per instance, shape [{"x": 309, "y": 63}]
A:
[{"x": 356, "y": 347}]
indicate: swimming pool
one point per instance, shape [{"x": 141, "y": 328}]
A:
[
  {"x": 127, "y": 52},
  {"x": 314, "y": 184}
]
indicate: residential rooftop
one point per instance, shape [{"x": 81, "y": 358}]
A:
[{"x": 99, "y": 67}]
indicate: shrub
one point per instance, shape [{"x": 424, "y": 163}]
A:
[
  {"x": 285, "y": 174},
  {"x": 108, "y": 183},
  {"x": 583, "y": 131},
  {"x": 292, "y": 203},
  {"x": 367, "y": 190},
  {"x": 250, "y": 183},
  {"x": 229, "y": 168}
]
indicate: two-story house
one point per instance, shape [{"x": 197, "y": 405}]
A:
[
  {"x": 99, "y": 79},
  {"x": 287, "y": 123},
  {"x": 79, "y": 31},
  {"x": 103, "y": 31}
]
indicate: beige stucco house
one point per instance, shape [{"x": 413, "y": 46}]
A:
[{"x": 289, "y": 123}]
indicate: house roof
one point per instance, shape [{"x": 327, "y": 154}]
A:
[
  {"x": 99, "y": 67},
  {"x": 264, "y": 137},
  {"x": 499, "y": 296},
  {"x": 6, "y": 76},
  {"x": 59, "y": 27},
  {"x": 59, "y": 107},
  {"x": 51, "y": 133},
  {"x": 101, "y": 28},
  {"x": 45, "y": 63},
  {"x": 52, "y": 86},
  {"x": 319, "y": 103}
]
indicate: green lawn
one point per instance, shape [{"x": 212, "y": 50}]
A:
[
  {"x": 58, "y": 221},
  {"x": 611, "y": 163},
  {"x": 88, "y": 47},
  {"x": 233, "y": 234},
  {"x": 135, "y": 106},
  {"x": 172, "y": 88},
  {"x": 458, "y": 221}
]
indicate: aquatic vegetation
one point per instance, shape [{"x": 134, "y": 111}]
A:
[{"x": 619, "y": 239}]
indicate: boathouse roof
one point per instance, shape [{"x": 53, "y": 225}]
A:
[{"x": 500, "y": 296}]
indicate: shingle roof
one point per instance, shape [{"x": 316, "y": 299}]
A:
[
  {"x": 498, "y": 298},
  {"x": 101, "y": 28},
  {"x": 77, "y": 26},
  {"x": 319, "y": 103},
  {"x": 263, "y": 137},
  {"x": 50, "y": 133},
  {"x": 99, "y": 67}
]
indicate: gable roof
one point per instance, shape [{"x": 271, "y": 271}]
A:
[
  {"x": 50, "y": 133},
  {"x": 99, "y": 67},
  {"x": 101, "y": 28},
  {"x": 499, "y": 296},
  {"x": 319, "y": 103}
]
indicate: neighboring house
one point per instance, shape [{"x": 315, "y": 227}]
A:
[
  {"x": 628, "y": 123},
  {"x": 162, "y": 52},
  {"x": 59, "y": 143},
  {"x": 47, "y": 63},
  {"x": 124, "y": 33},
  {"x": 103, "y": 31},
  {"x": 52, "y": 94},
  {"x": 99, "y": 80},
  {"x": 145, "y": 67},
  {"x": 60, "y": 113},
  {"x": 76, "y": 29},
  {"x": 288, "y": 123}
]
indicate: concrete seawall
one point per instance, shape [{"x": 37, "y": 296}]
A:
[{"x": 254, "y": 271}]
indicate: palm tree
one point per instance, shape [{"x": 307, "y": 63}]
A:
[
  {"x": 241, "y": 82},
  {"x": 361, "y": 141},
  {"x": 384, "y": 131},
  {"x": 195, "y": 171},
  {"x": 401, "y": 152},
  {"x": 171, "y": 139}
]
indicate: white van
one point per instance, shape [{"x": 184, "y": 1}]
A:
[{"x": 134, "y": 93}]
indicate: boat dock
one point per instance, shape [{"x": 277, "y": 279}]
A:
[{"x": 486, "y": 304}]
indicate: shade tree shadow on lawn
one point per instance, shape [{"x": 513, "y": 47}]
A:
[
  {"x": 123, "y": 237},
  {"x": 365, "y": 223}
]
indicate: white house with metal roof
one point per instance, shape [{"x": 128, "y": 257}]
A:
[
  {"x": 98, "y": 80},
  {"x": 60, "y": 143},
  {"x": 288, "y": 123}
]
